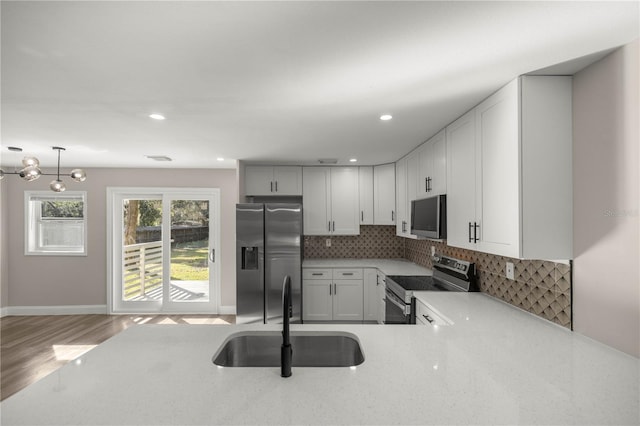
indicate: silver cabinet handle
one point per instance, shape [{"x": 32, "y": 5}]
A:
[
  {"x": 276, "y": 186},
  {"x": 334, "y": 226},
  {"x": 335, "y": 289},
  {"x": 470, "y": 238},
  {"x": 316, "y": 274},
  {"x": 476, "y": 227},
  {"x": 330, "y": 289},
  {"x": 212, "y": 255},
  {"x": 361, "y": 216},
  {"x": 329, "y": 226},
  {"x": 392, "y": 216},
  {"x": 347, "y": 273}
]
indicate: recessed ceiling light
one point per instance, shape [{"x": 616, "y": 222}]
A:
[
  {"x": 386, "y": 117},
  {"x": 157, "y": 116},
  {"x": 353, "y": 160},
  {"x": 220, "y": 159}
]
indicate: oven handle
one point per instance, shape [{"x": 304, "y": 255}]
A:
[{"x": 391, "y": 297}]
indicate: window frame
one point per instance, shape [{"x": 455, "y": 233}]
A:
[{"x": 32, "y": 221}]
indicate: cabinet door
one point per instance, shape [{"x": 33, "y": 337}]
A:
[
  {"x": 371, "y": 305},
  {"x": 438, "y": 152},
  {"x": 425, "y": 170},
  {"x": 347, "y": 300},
  {"x": 317, "y": 300},
  {"x": 401, "y": 198},
  {"x": 366, "y": 185},
  {"x": 287, "y": 180},
  {"x": 412, "y": 190},
  {"x": 258, "y": 180},
  {"x": 381, "y": 288},
  {"x": 384, "y": 194},
  {"x": 345, "y": 212},
  {"x": 315, "y": 192},
  {"x": 461, "y": 191},
  {"x": 497, "y": 172}
]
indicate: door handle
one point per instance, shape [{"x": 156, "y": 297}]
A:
[
  {"x": 476, "y": 227},
  {"x": 212, "y": 255},
  {"x": 426, "y": 184},
  {"x": 361, "y": 216},
  {"x": 276, "y": 186},
  {"x": 271, "y": 186},
  {"x": 470, "y": 238},
  {"x": 392, "y": 216}
]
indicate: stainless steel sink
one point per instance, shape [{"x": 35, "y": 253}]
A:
[{"x": 262, "y": 349}]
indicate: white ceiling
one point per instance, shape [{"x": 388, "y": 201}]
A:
[{"x": 286, "y": 82}]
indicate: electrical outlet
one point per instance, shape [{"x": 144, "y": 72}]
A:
[
  {"x": 433, "y": 251},
  {"x": 328, "y": 242},
  {"x": 509, "y": 271}
]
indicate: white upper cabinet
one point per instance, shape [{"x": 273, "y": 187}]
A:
[
  {"x": 365, "y": 175},
  {"x": 461, "y": 178},
  {"x": 406, "y": 191},
  {"x": 432, "y": 167},
  {"x": 509, "y": 172},
  {"x": 384, "y": 194},
  {"x": 331, "y": 201},
  {"x": 273, "y": 180}
]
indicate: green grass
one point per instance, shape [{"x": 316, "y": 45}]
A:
[{"x": 189, "y": 261}]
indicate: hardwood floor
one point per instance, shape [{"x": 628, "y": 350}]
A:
[{"x": 31, "y": 347}]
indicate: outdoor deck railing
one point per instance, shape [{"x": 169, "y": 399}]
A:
[{"x": 142, "y": 268}]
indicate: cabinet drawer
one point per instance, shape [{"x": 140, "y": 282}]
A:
[
  {"x": 427, "y": 316},
  {"x": 347, "y": 274},
  {"x": 316, "y": 274}
]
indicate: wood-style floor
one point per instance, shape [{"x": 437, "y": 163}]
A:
[{"x": 31, "y": 347}]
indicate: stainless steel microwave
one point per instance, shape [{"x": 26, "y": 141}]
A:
[{"x": 429, "y": 217}]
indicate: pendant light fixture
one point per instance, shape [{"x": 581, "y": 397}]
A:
[{"x": 31, "y": 171}]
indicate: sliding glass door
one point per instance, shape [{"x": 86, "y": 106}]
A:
[{"x": 163, "y": 250}]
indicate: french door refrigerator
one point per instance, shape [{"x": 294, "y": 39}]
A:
[{"x": 267, "y": 249}]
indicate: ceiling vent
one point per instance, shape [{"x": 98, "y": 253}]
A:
[
  {"x": 159, "y": 157},
  {"x": 328, "y": 161}
]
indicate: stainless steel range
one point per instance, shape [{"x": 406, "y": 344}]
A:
[{"x": 449, "y": 274}]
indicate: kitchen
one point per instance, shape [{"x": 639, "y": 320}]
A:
[{"x": 23, "y": 293}]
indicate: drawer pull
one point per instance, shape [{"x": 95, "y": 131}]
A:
[
  {"x": 316, "y": 274},
  {"x": 428, "y": 318},
  {"x": 347, "y": 273}
]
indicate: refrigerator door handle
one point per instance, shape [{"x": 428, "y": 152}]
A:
[{"x": 212, "y": 255}]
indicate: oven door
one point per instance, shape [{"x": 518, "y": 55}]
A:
[{"x": 396, "y": 311}]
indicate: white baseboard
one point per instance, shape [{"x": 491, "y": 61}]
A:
[
  {"x": 4, "y": 312},
  {"x": 55, "y": 310},
  {"x": 227, "y": 310}
]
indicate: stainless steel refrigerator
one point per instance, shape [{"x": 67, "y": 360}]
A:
[{"x": 267, "y": 249}]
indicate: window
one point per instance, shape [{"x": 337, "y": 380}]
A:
[{"x": 56, "y": 224}]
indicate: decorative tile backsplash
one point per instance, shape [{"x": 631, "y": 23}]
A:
[
  {"x": 374, "y": 242},
  {"x": 541, "y": 287}
]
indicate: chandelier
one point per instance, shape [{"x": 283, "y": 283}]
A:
[{"x": 31, "y": 171}]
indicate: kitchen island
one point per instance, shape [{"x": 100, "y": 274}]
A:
[{"x": 494, "y": 365}]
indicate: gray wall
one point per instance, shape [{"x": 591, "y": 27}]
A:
[
  {"x": 606, "y": 278},
  {"x": 71, "y": 280},
  {"x": 4, "y": 264}
]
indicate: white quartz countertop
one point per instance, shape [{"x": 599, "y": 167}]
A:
[
  {"x": 386, "y": 266},
  {"x": 495, "y": 365}
]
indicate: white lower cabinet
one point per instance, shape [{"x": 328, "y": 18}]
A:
[
  {"x": 371, "y": 285},
  {"x": 332, "y": 294},
  {"x": 381, "y": 288},
  {"x": 425, "y": 315}
]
